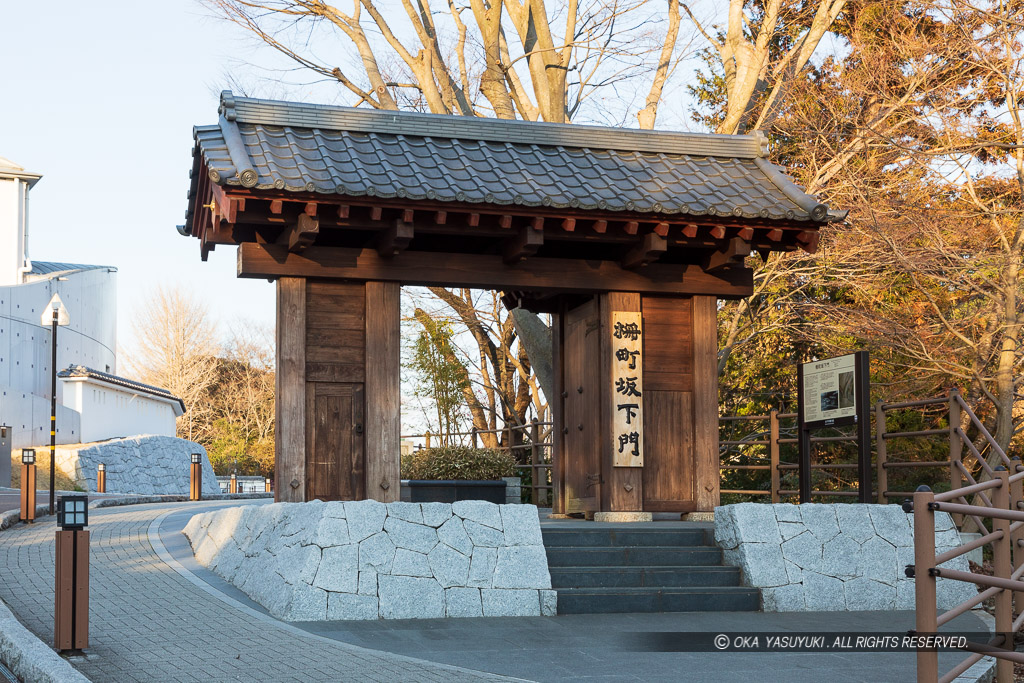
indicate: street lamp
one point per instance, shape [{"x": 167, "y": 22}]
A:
[
  {"x": 195, "y": 487},
  {"x": 59, "y": 317},
  {"x": 71, "y": 575},
  {"x": 101, "y": 478}
]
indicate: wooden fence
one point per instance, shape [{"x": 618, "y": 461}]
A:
[{"x": 775, "y": 435}]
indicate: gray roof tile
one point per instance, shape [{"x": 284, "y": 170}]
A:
[{"x": 357, "y": 152}]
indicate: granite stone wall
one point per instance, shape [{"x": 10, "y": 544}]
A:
[
  {"x": 146, "y": 465},
  {"x": 321, "y": 561},
  {"x": 837, "y": 557}
]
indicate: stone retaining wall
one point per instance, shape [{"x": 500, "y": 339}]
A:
[
  {"x": 839, "y": 557},
  {"x": 366, "y": 560},
  {"x": 147, "y": 465}
]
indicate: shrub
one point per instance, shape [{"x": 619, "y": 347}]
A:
[{"x": 458, "y": 462}]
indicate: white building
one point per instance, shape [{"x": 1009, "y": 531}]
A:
[{"x": 90, "y": 295}]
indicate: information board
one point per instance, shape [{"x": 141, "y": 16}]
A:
[{"x": 830, "y": 391}]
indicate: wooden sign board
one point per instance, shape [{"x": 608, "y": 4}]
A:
[{"x": 627, "y": 389}]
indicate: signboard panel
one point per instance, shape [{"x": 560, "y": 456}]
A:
[
  {"x": 627, "y": 377},
  {"x": 829, "y": 391}
]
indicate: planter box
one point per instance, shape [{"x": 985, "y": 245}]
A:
[{"x": 451, "y": 490}]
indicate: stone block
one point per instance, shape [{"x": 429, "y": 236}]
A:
[
  {"x": 761, "y": 565},
  {"x": 367, "y": 583},
  {"x": 299, "y": 564},
  {"x": 479, "y": 511},
  {"x": 410, "y": 512},
  {"x": 484, "y": 535},
  {"x": 524, "y": 566},
  {"x": 804, "y": 550},
  {"x": 410, "y": 563},
  {"x": 823, "y": 593},
  {"x": 787, "y": 512},
  {"x": 463, "y": 602},
  {"x": 521, "y": 524},
  {"x": 376, "y": 553},
  {"x": 790, "y": 529},
  {"x": 877, "y": 560},
  {"x": 331, "y": 531},
  {"x": 365, "y": 518},
  {"x": 840, "y": 557},
  {"x": 905, "y": 595},
  {"x": 821, "y": 521},
  {"x": 855, "y": 522},
  {"x": 334, "y": 508},
  {"x": 891, "y": 523},
  {"x": 436, "y": 514},
  {"x": 307, "y": 604},
  {"x": 725, "y": 526},
  {"x": 481, "y": 567},
  {"x": 339, "y": 569},
  {"x": 864, "y": 594},
  {"x": 416, "y": 537},
  {"x": 453, "y": 534},
  {"x": 510, "y": 603},
  {"x": 788, "y": 598},
  {"x": 348, "y": 607},
  {"x": 756, "y": 523},
  {"x": 548, "y": 603},
  {"x": 620, "y": 517},
  {"x": 407, "y": 597},
  {"x": 450, "y": 567}
]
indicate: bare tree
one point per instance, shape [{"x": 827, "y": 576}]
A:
[{"x": 175, "y": 349}]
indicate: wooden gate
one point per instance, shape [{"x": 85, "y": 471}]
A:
[
  {"x": 335, "y": 458},
  {"x": 582, "y": 409}
]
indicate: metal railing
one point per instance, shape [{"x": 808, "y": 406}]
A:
[
  {"x": 1001, "y": 499},
  {"x": 780, "y": 424},
  {"x": 534, "y": 437}
]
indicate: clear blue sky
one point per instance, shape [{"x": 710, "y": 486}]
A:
[{"x": 101, "y": 98}]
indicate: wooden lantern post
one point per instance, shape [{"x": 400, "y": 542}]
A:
[
  {"x": 71, "y": 581},
  {"x": 101, "y": 478},
  {"x": 195, "y": 489},
  {"x": 28, "y": 485}
]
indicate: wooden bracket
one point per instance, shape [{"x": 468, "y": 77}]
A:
[
  {"x": 300, "y": 235},
  {"x": 734, "y": 250},
  {"x": 524, "y": 244},
  {"x": 808, "y": 240},
  {"x": 650, "y": 249},
  {"x": 394, "y": 239}
]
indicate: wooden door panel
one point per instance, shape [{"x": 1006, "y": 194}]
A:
[
  {"x": 582, "y": 457},
  {"x": 668, "y": 451},
  {"x": 335, "y": 467}
]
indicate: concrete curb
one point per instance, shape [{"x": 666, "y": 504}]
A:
[{"x": 29, "y": 658}]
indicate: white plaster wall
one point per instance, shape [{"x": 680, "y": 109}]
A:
[
  {"x": 108, "y": 411},
  {"x": 13, "y": 210},
  {"x": 91, "y": 300}
]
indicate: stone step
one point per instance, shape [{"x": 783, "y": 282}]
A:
[
  {"x": 643, "y": 556},
  {"x": 637, "y": 577},
  {"x": 603, "y": 537},
  {"x": 694, "y": 599}
]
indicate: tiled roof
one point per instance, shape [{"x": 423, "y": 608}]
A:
[
  {"x": 83, "y": 371},
  {"x": 359, "y": 152}
]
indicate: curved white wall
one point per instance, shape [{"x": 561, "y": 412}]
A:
[{"x": 90, "y": 297}]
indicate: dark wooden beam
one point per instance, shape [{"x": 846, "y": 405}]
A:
[
  {"x": 649, "y": 250},
  {"x": 524, "y": 244},
  {"x": 490, "y": 271},
  {"x": 301, "y": 234},
  {"x": 394, "y": 239},
  {"x": 734, "y": 250}
]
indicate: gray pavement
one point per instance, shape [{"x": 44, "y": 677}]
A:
[
  {"x": 149, "y": 623},
  {"x": 153, "y": 618}
]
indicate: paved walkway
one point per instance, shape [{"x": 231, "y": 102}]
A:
[
  {"x": 156, "y": 615},
  {"x": 149, "y": 623}
]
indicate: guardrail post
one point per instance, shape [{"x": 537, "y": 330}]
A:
[
  {"x": 773, "y": 454},
  {"x": 924, "y": 583},
  {"x": 1016, "y": 552},
  {"x": 956, "y": 448},
  {"x": 534, "y": 461},
  {"x": 1003, "y": 567},
  {"x": 883, "y": 453}
]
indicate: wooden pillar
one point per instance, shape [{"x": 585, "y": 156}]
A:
[
  {"x": 705, "y": 402},
  {"x": 290, "y": 390},
  {"x": 623, "y": 486},
  {"x": 557, "y": 415},
  {"x": 383, "y": 391}
]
